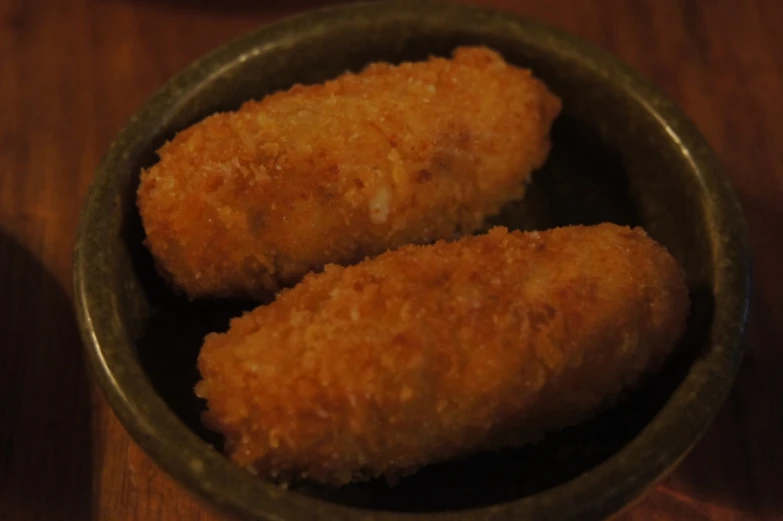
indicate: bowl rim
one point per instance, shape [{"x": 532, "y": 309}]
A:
[{"x": 212, "y": 476}]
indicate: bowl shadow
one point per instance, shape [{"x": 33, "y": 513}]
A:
[{"x": 45, "y": 410}]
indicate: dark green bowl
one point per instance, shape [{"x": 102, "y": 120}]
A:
[{"x": 622, "y": 153}]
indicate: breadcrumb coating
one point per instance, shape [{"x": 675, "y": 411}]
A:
[
  {"x": 246, "y": 202},
  {"x": 432, "y": 352}
]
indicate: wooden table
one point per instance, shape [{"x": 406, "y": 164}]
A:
[{"x": 73, "y": 71}]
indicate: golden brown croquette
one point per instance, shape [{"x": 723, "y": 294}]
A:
[
  {"x": 431, "y": 352},
  {"x": 249, "y": 201}
]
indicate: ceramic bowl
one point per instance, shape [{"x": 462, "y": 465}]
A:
[{"x": 622, "y": 152}]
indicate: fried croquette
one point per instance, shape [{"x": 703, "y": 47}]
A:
[
  {"x": 433, "y": 352},
  {"x": 246, "y": 202}
]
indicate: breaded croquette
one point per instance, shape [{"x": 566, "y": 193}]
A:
[
  {"x": 432, "y": 352},
  {"x": 246, "y": 202}
]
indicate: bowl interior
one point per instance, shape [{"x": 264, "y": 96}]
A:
[
  {"x": 586, "y": 181},
  {"x": 613, "y": 159}
]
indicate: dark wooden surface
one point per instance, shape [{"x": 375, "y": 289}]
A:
[{"x": 72, "y": 72}]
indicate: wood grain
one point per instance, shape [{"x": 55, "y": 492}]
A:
[{"x": 72, "y": 72}]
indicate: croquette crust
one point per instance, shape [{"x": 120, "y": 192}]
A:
[
  {"x": 432, "y": 352},
  {"x": 248, "y": 201}
]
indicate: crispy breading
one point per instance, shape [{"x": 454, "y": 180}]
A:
[
  {"x": 244, "y": 202},
  {"x": 431, "y": 352}
]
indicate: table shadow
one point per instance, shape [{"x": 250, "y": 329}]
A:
[{"x": 45, "y": 412}]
